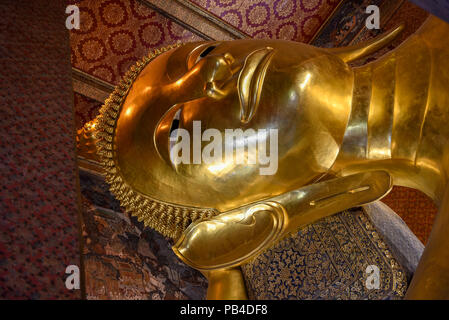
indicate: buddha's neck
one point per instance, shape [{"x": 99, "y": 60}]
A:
[{"x": 386, "y": 124}]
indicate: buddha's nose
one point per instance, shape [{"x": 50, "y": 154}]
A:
[
  {"x": 229, "y": 58},
  {"x": 228, "y": 62},
  {"x": 234, "y": 64}
]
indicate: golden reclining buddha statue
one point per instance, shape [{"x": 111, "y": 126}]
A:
[{"x": 336, "y": 137}]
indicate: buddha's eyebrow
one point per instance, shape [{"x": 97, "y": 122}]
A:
[{"x": 251, "y": 80}]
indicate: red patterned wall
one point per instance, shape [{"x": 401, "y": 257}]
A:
[
  {"x": 415, "y": 208},
  {"x": 277, "y": 19},
  {"x": 114, "y": 34}
]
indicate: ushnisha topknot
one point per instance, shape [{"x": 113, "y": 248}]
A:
[{"x": 168, "y": 219}]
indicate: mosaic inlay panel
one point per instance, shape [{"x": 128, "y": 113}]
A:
[{"x": 327, "y": 260}]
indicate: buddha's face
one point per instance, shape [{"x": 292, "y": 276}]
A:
[{"x": 291, "y": 102}]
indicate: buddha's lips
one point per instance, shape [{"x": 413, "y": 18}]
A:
[{"x": 251, "y": 80}]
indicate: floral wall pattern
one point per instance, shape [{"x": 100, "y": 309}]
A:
[{"x": 114, "y": 34}]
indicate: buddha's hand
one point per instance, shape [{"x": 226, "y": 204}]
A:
[{"x": 230, "y": 238}]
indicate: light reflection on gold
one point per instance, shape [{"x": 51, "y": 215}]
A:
[
  {"x": 128, "y": 112},
  {"x": 306, "y": 81},
  {"x": 220, "y": 167},
  {"x": 179, "y": 82}
]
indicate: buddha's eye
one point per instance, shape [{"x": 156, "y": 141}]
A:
[
  {"x": 205, "y": 53},
  {"x": 200, "y": 52}
]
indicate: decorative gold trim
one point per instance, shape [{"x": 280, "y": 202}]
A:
[
  {"x": 90, "y": 166},
  {"x": 195, "y": 19},
  {"x": 219, "y": 22},
  {"x": 90, "y": 86},
  {"x": 168, "y": 219}
]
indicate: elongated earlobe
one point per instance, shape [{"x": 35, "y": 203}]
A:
[{"x": 251, "y": 80}]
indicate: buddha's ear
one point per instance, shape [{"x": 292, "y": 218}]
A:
[
  {"x": 250, "y": 87},
  {"x": 351, "y": 53}
]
